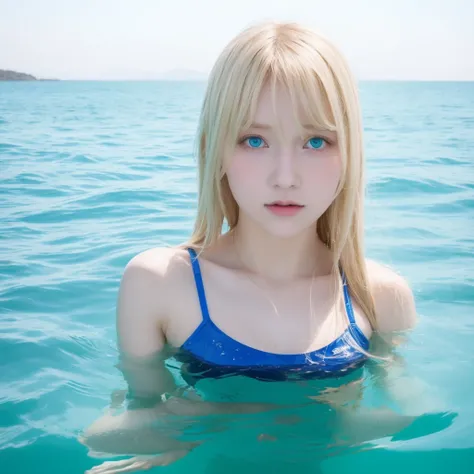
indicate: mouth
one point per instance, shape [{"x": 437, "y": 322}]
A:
[
  {"x": 284, "y": 204},
  {"x": 284, "y": 208}
]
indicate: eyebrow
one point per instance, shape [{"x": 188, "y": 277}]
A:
[{"x": 265, "y": 126}]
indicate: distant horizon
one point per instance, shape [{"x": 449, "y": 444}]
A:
[{"x": 176, "y": 75}]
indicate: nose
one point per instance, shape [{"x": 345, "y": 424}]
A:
[{"x": 285, "y": 173}]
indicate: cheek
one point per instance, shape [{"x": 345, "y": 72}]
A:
[
  {"x": 324, "y": 176},
  {"x": 333, "y": 172},
  {"x": 238, "y": 170},
  {"x": 242, "y": 174}
]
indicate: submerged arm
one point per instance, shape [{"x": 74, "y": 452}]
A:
[
  {"x": 396, "y": 317},
  {"x": 408, "y": 395},
  {"x": 141, "y": 307}
]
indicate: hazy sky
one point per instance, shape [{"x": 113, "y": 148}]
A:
[{"x": 139, "y": 39}]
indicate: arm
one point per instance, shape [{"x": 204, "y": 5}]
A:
[
  {"x": 141, "y": 309},
  {"x": 396, "y": 316},
  {"x": 412, "y": 397}
]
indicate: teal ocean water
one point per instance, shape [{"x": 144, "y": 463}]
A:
[{"x": 92, "y": 173}]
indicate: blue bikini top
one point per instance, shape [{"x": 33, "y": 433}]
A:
[{"x": 210, "y": 353}]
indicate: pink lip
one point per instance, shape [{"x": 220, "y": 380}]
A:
[{"x": 284, "y": 208}]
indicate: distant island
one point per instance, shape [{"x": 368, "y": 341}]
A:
[{"x": 7, "y": 75}]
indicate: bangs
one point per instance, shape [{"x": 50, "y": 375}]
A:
[
  {"x": 310, "y": 98},
  {"x": 313, "y": 92}
]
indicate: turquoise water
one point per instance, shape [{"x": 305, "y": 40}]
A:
[{"x": 93, "y": 173}]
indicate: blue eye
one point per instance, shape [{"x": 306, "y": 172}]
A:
[
  {"x": 254, "y": 142},
  {"x": 316, "y": 143}
]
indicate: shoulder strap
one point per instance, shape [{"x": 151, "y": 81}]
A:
[
  {"x": 199, "y": 283},
  {"x": 354, "y": 330},
  {"x": 347, "y": 300}
]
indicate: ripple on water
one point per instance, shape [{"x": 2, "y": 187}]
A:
[
  {"x": 453, "y": 207},
  {"x": 404, "y": 186}
]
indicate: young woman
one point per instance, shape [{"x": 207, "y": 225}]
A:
[{"x": 273, "y": 284}]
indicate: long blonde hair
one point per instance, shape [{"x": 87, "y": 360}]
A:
[{"x": 311, "y": 67}]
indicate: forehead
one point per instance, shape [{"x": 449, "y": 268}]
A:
[
  {"x": 278, "y": 104},
  {"x": 273, "y": 100}
]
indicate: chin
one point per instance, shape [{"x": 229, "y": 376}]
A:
[
  {"x": 286, "y": 230},
  {"x": 284, "y": 227}
]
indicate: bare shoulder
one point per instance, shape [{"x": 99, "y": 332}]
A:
[
  {"x": 159, "y": 261},
  {"x": 147, "y": 289},
  {"x": 394, "y": 301},
  {"x": 152, "y": 275}
]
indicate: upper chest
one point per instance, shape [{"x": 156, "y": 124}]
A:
[{"x": 296, "y": 318}]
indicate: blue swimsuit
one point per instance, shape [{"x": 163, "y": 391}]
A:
[{"x": 209, "y": 352}]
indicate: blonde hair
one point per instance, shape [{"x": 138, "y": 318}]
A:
[{"x": 311, "y": 67}]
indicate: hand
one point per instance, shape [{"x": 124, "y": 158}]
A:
[
  {"x": 346, "y": 395},
  {"x": 138, "y": 463}
]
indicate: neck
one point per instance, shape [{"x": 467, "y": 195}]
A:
[{"x": 280, "y": 258}]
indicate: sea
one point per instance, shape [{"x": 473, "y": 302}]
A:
[{"x": 92, "y": 173}]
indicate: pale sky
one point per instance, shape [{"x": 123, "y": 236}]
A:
[{"x": 141, "y": 39}]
